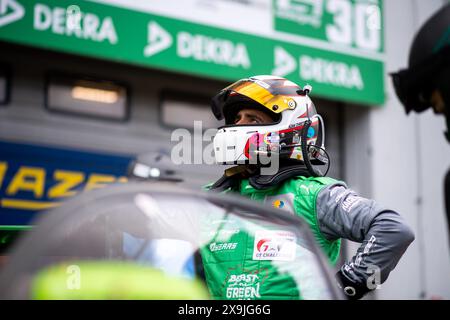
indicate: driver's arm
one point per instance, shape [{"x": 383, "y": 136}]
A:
[{"x": 383, "y": 233}]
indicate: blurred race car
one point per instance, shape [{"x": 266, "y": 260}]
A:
[{"x": 148, "y": 240}]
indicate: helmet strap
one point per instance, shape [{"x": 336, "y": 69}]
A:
[
  {"x": 262, "y": 182},
  {"x": 232, "y": 176}
]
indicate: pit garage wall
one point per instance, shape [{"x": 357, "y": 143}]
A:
[{"x": 406, "y": 158}]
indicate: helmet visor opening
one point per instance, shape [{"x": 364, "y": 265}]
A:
[
  {"x": 231, "y": 111},
  {"x": 273, "y": 98}
]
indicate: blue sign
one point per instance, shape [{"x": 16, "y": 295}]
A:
[{"x": 34, "y": 178}]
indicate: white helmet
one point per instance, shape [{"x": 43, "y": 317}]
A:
[{"x": 295, "y": 121}]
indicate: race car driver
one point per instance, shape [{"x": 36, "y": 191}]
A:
[
  {"x": 267, "y": 118},
  {"x": 426, "y": 82}
]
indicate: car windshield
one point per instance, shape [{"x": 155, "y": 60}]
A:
[{"x": 174, "y": 232}]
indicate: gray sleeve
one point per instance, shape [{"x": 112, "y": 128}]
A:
[{"x": 341, "y": 213}]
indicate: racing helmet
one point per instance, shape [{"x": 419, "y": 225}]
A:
[
  {"x": 296, "y": 133},
  {"x": 426, "y": 81}
]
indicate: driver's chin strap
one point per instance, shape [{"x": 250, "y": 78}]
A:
[
  {"x": 231, "y": 178},
  {"x": 233, "y": 175},
  {"x": 284, "y": 173}
]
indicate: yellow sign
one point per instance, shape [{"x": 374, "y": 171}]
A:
[{"x": 43, "y": 188}]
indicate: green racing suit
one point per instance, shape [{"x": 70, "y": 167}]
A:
[{"x": 235, "y": 266}]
